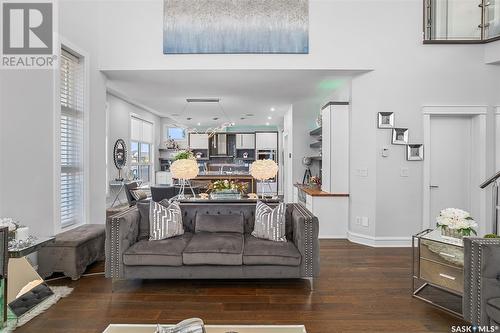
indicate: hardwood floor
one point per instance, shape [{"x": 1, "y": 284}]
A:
[{"x": 361, "y": 289}]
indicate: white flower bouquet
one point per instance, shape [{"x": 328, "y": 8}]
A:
[
  {"x": 11, "y": 224},
  {"x": 456, "y": 223}
]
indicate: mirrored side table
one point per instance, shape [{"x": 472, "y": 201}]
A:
[
  {"x": 26, "y": 290},
  {"x": 438, "y": 270}
]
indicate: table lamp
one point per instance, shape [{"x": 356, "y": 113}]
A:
[
  {"x": 184, "y": 170},
  {"x": 263, "y": 170}
]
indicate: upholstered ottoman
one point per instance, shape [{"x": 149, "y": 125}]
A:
[{"x": 72, "y": 251}]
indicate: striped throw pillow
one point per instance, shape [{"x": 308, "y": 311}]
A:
[
  {"x": 165, "y": 221},
  {"x": 269, "y": 222}
]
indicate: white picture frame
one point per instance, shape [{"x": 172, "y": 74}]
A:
[
  {"x": 400, "y": 136},
  {"x": 385, "y": 120},
  {"x": 415, "y": 152}
]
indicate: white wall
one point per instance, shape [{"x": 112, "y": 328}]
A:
[
  {"x": 120, "y": 112},
  {"x": 27, "y": 127},
  {"x": 492, "y": 53},
  {"x": 386, "y": 38}
]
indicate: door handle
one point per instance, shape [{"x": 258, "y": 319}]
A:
[{"x": 433, "y": 186}]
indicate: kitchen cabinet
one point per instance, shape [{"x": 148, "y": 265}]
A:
[
  {"x": 163, "y": 178},
  {"x": 245, "y": 141},
  {"x": 198, "y": 141},
  {"x": 266, "y": 140}
]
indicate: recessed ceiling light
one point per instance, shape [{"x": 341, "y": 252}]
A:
[
  {"x": 267, "y": 124},
  {"x": 215, "y": 118},
  {"x": 199, "y": 124},
  {"x": 242, "y": 118},
  {"x": 269, "y": 117},
  {"x": 272, "y": 109},
  {"x": 189, "y": 118}
]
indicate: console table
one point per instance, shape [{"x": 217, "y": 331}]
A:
[
  {"x": 25, "y": 288},
  {"x": 130, "y": 328},
  {"x": 438, "y": 270}
]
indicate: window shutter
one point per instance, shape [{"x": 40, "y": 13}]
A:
[{"x": 72, "y": 138}]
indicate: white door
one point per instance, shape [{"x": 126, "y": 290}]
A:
[{"x": 450, "y": 164}]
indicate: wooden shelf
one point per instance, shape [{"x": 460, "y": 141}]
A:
[
  {"x": 316, "y": 144},
  {"x": 316, "y": 131},
  {"x": 319, "y": 193}
]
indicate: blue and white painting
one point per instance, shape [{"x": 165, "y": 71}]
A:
[{"x": 235, "y": 26}]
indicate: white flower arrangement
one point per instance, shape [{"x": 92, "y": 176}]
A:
[
  {"x": 10, "y": 223},
  {"x": 457, "y": 220}
]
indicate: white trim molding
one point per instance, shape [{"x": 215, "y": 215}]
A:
[
  {"x": 455, "y": 110},
  {"x": 497, "y": 140},
  {"x": 378, "y": 241},
  {"x": 479, "y": 116}
]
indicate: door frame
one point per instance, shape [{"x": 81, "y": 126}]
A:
[{"x": 478, "y": 113}]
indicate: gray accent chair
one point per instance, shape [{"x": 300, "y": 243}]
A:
[
  {"x": 199, "y": 254},
  {"x": 481, "y": 301}
]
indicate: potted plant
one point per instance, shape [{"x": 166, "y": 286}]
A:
[
  {"x": 315, "y": 182},
  {"x": 456, "y": 223},
  {"x": 184, "y": 155},
  {"x": 226, "y": 189}
]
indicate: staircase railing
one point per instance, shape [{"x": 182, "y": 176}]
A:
[{"x": 494, "y": 181}]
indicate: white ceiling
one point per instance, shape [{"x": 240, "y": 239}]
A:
[{"x": 241, "y": 92}]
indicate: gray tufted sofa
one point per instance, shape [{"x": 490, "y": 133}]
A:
[
  {"x": 481, "y": 301},
  {"x": 217, "y": 255}
]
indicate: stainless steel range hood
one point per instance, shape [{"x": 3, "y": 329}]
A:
[{"x": 218, "y": 146}]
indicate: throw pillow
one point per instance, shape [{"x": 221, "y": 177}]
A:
[
  {"x": 139, "y": 194},
  {"x": 165, "y": 221},
  {"x": 270, "y": 222},
  {"x": 143, "y": 208}
]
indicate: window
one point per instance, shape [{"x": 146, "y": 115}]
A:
[
  {"x": 176, "y": 133},
  {"x": 71, "y": 139},
  {"x": 141, "y": 139}
]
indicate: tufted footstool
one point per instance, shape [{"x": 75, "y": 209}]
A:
[{"x": 72, "y": 251}]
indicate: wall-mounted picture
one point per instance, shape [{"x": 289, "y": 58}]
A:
[
  {"x": 235, "y": 26},
  {"x": 415, "y": 152},
  {"x": 385, "y": 119},
  {"x": 399, "y": 136}
]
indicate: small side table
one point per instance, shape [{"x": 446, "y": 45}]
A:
[
  {"x": 438, "y": 270},
  {"x": 23, "y": 281}
]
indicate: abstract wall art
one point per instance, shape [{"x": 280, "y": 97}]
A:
[{"x": 235, "y": 26}]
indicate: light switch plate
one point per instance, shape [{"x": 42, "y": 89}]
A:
[
  {"x": 405, "y": 172},
  {"x": 362, "y": 172}
]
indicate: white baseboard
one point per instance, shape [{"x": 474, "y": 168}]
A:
[
  {"x": 379, "y": 241},
  {"x": 332, "y": 236}
]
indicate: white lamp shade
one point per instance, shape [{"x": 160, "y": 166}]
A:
[
  {"x": 184, "y": 169},
  {"x": 263, "y": 169}
]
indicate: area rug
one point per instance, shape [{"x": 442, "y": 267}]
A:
[{"x": 59, "y": 292}]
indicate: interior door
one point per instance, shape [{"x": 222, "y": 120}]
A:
[{"x": 450, "y": 163}]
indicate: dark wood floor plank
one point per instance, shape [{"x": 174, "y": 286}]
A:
[{"x": 361, "y": 289}]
